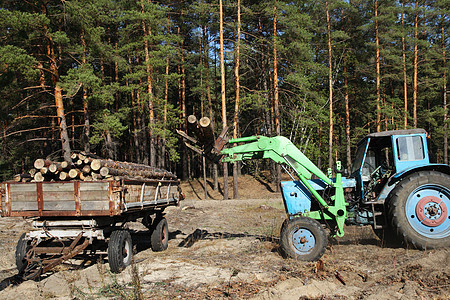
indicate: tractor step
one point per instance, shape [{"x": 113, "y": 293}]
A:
[{"x": 378, "y": 223}]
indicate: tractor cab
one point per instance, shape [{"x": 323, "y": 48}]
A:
[{"x": 382, "y": 155}]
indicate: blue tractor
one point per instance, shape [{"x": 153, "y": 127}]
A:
[{"x": 392, "y": 186}]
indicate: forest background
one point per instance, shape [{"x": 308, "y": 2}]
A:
[{"x": 118, "y": 78}]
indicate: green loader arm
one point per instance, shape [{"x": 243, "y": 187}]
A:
[{"x": 282, "y": 150}]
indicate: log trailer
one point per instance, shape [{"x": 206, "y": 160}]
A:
[
  {"x": 392, "y": 186},
  {"x": 86, "y": 217}
]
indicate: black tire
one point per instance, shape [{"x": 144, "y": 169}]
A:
[
  {"x": 22, "y": 248},
  {"x": 160, "y": 235},
  {"x": 419, "y": 209},
  {"x": 147, "y": 221},
  {"x": 120, "y": 250},
  {"x": 304, "y": 239}
]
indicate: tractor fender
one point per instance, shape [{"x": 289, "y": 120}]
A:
[
  {"x": 396, "y": 178},
  {"x": 428, "y": 167}
]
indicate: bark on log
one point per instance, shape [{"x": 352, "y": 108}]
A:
[{"x": 22, "y": 177}]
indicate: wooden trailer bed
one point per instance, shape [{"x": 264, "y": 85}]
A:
[{"x": 86, "y": 198}]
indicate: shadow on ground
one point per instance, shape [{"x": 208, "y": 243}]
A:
[{"x": 201, "y": 234}]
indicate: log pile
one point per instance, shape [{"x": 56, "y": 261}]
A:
[{"x": 87, "y": 168}]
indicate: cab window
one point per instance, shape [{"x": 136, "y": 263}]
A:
[
  {"x": 369, "y": 164},
  {"x": 410, "y": 148}
]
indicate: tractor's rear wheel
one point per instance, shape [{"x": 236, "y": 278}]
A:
[
  {"x": 419, "y": 209},
  {"x": 304, "y": 239}
]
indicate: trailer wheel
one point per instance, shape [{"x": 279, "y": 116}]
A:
[
  {"x": 419, "y": 209},
  {"x": 160, "y": 235},
  {"x": 22, "y": 248},
  {"x": 304, "y": 239},
  {"x": 120, "y": 250}
]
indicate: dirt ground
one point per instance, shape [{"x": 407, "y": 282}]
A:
[{"x": 229, "y": 249}]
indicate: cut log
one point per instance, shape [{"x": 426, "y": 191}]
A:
[
  {"x": 96, "y": 164},
  {"x": 96, "y": 176},
  {"x": 22, "y": 177},
  {"x": 38, "y": 177},
  {"x": 207, "y": 131},
  {"x": 86, "y": 169},
  {"x": 87, "y": 178},
  {"x": 74, "y": 156},
  {"x": 74, "y": 173},
  {"x": 44, "y": 170},
  {"x": 63, "y": 176},
  {"x": 55, "y": 167},
  {"x": 192, "y": 120},
  {"x": 32, "y": 172},
  {"x": 40, "y": 163}
]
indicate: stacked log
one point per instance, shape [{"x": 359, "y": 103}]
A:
[{"x": 88, "y": 168}]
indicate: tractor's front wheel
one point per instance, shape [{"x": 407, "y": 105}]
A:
[
  {"x": 419, "y": 209},
  {"x": 303, "y": 238}
]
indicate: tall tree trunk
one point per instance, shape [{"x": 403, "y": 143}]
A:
[
  {"x": 236, "y": 104},
  {"x": 378, "y": 68},
  {"x": 182, "y": 105},
  {"x": 166, "y": 99},
  {"x": 64, "y": 136},
  {"x": 416, "y": 63},
  {"x": 186, "y": 171},
  {"x": 86, "y": 128},
  {"x": 347, "y": 119},
  {"x": 444, "y": 86},
  {"x": 223, "y": 97},
  {"x": 330, "y": 87},
  {"x": 149, "y": 71},
  {"x": 276, "y": 108},
  {"x": 210, "y": 106},
  {"x": 405, "y": 78}
]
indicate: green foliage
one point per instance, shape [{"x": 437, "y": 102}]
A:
[
  {"x": 112, "y": 58},
  {"x": 16, "y": 60}
]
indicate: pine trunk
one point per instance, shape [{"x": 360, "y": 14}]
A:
[
  {"x": 416, "y": 63},
  {"x": 223, "y": 97},
  {"x": 378, "y": 69},
  {"x": 347, "y": 120},
  {"x": 64, "y": 136},
  {"x": 330, "y": 87},
  {"x": 149, "y": 71},
  {"x": 236, "y": 104},
  {"x": 444, "y": 87},
  {"x": 276, "y": 108},
  {"x": 405, "y": 78}
]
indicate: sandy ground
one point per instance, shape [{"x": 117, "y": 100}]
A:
[{"x": 229, "y": 249}]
